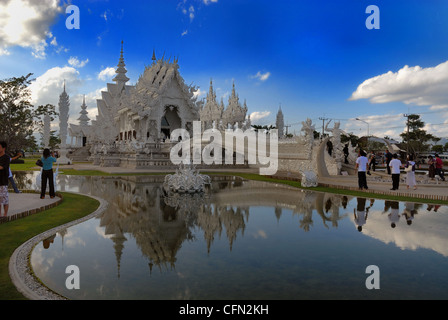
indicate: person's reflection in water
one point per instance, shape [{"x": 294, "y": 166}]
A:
[
  {"x": 46, "y": 243},
  {"x": 435, "y": 207},
  {"x": 360, "y": 213},
  {"x": 409, "y": 212},
  {"x": 394, "y": 214},
  {"x": 344, "y": 202}
]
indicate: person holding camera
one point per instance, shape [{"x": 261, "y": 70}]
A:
[{"x": 47, "y": 173}]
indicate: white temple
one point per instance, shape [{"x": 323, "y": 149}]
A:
[
  {"x": 134, "y": 123},
  {"x": 81, "y": 131}
]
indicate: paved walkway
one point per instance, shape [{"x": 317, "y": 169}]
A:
[
  {"x": 424, "y": 191},
  {"x": 24, "y": 204}
]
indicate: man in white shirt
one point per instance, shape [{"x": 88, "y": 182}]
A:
[
  {"x": 395, "y": 165},
  {"x": 361, "y": 166}
]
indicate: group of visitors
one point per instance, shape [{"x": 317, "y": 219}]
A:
[
  {"x": 393, "y": 166},
  {"x": 6, "y": 176},
  {"x": 435, "y": 167}
]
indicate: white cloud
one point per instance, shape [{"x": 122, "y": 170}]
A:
[
  {"x": 47, "y": 87},
  {"x": 207, "y": 2},
  {"x": 74, "y": 62},
  {"x": 378, "y": 125},
  {"x": 256, "y": 116},
  {"x": 106, "y": 74},
  {"x": 261, "y": 76},
  {"x": 191, "y": 15},
  {"x": 26, "y": 24},
  {"x": 183, "y": 34},
  {"x": 4, "y": 52},
  {"x": 410, "y": 85}
]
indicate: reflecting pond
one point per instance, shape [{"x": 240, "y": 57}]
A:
[{"x": 245, "y": 240}]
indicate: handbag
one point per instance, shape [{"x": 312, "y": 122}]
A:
[
  {"x": 408, "y": 168},
  {"x": 39, "y": 163}
]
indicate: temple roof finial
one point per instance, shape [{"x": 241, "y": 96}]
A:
[{"x": 121, "y": 70}]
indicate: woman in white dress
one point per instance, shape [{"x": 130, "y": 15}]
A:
[{"x": 410, "y": 175}]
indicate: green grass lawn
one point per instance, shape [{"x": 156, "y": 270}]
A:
[
  {"x": 29, "y": 165},
  {"x": 15, "y": 233}
]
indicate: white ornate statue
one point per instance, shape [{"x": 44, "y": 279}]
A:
[
  {"x": 308, "y": 128},
  {"x": 337, "y": 145},
  {"x": 309, "y": 179}
]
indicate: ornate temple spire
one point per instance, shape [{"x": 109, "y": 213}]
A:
[
  {"x": 64, "y": 105},
  {"x": 280, "y": 122},
  {"x": 121, "y": 71},
  {"x": 211, "y": 94},
  {"x": 153, "y": 56},
  {"x": 84, "y": 119}
]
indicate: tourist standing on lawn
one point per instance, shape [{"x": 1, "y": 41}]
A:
[
  {"x": 47, "y": 173},
  {"x": 4, "y": 178},
  {"x": 395, "y": 165}
]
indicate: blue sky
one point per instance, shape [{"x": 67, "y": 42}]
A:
[{"x": 316, "y": 59}]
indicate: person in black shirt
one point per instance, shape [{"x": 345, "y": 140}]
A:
[
  {"x": 4, "y": 178},
  {"x": 388, "y": 156}
]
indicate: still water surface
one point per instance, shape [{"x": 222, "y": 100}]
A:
[{"x": 245, "y": 240}]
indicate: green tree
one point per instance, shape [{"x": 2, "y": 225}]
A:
[
  {"x": 54, "y": 140},
  {"x": 353, "y": 139},
  {"x": 415, "y": 141},
  {"x": 438, "y": 148},
  {"x": 18, "y": 117},
  {"x": 260, "y": 127}
]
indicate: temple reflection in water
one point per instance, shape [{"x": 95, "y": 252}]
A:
[
  {"x": 246, "y": 231},
  {"x": 161, "y": 222}
]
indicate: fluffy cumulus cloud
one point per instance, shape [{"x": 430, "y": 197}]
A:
[
  {"x": 410, "y": 85},
  {"x": 47, "y": 87},
  {"x": 26, "y": 23},
  {"x": 106, "y": 74},
  {"x": 256, "y": 116}
]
